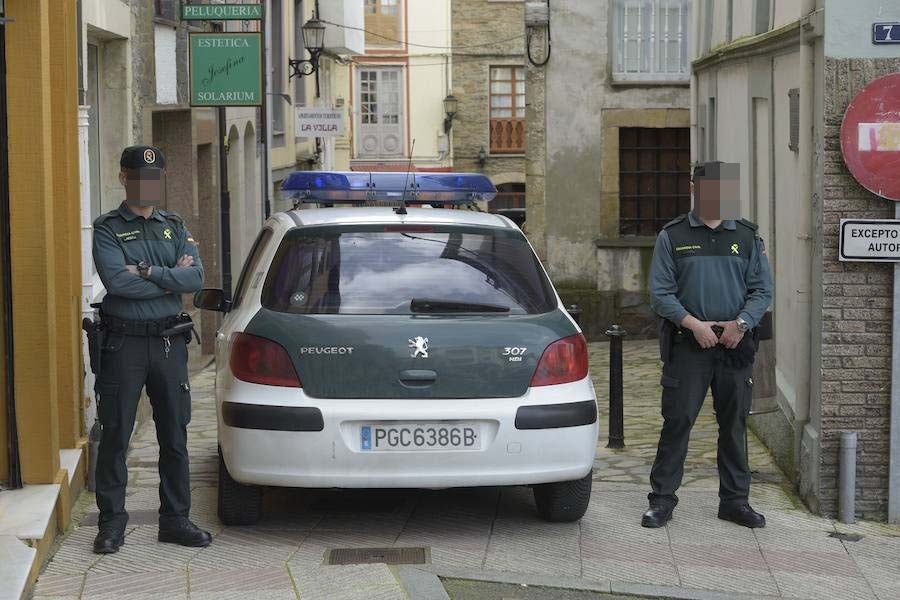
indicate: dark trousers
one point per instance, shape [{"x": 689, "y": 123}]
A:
[
  {"x": 686, "y": 379},
  {"x": 128, "y": 364}
]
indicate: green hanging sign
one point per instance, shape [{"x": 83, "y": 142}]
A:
[
  {"x": 222, "y": 12},
  {"x": 226, "y": 69}
]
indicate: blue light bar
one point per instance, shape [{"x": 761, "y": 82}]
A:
[{"x": 329, "y": 187}]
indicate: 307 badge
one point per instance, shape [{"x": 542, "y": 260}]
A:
[{"x": 514, "y": 353}]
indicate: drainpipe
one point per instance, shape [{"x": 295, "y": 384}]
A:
[
  {"x": 15, "y": 467},
  {"x": 224, "y": 205}
]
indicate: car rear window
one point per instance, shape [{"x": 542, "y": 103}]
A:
[{"x": 380, "y": 270}]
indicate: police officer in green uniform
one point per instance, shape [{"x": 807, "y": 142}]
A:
[
  {"x": 147, "y": 259},
  {"x": 710, "y": 284}
]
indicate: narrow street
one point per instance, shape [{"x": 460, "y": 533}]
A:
[{"x": 485, "y": 534}]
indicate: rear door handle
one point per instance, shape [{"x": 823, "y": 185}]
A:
[{"x": 418, "y": 377}]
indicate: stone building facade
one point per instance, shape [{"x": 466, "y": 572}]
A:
[
  {"x": 485, "y": 138},
  {"x": 608, "y": 152},
  {"x": 770, "y": 89}
]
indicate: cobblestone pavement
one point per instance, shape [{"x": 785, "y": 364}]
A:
[{"x": 485, "y": 533}]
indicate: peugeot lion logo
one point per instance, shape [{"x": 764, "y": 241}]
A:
[{"x": 419, "y": 346}]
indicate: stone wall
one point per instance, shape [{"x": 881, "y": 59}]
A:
[
  {"x": 856, "y": 313},
  {"x": 477, "y": 22}
]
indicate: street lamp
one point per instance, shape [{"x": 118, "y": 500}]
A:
[
  {"x": 314, "y": 41},
  {"x": 450, "y": 106}
]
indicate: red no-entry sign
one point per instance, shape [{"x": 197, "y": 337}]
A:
[{"x": 870, "y": 137}]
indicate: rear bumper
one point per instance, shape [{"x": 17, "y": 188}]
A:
[{"x": 305, "y": 456}]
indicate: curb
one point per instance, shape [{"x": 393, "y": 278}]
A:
[{"x": 602, "y": 586}]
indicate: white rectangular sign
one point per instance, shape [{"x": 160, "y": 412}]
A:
[
  {"x": 871, "y": 240},
  {"x": 319, "y": 122}
]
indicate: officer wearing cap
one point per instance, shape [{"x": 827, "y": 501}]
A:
[
  {"x": 147, "y": 259},
  {"x": 710, "y": 284}
]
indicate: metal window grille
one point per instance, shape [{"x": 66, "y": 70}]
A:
[
  {"x": 651, "y": 40},
  {"x": 654, "y": 178},
  {"x": 167, "y": 9},
  {"x": 794, "y": 108}
]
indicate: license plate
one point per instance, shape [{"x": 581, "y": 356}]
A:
[{"x": 420, "y": 436}]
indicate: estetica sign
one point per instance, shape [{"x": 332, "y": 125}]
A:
[{"x": 226, "y": 69}]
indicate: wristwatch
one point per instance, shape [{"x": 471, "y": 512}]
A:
[
  {"x": 143, "y": 269},
  {"x": 742, "y": 325}
]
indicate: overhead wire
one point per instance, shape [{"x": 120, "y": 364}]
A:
[{"x": 384, "y": 37}]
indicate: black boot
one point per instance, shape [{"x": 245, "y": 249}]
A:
[
  {"x": 657, "y": 515},
  {"x": 108, "y": 541},
  {"x": 742, "y": 514},
  {"x": 184, "y": 533}
]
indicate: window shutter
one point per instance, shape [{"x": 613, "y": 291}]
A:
[{"x": 794, "y": 107}]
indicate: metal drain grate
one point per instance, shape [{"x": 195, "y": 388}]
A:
[
  {"x": 846, "y": 537},
  {"x": 389, "y": 556}
]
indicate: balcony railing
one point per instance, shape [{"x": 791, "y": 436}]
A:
[{"x": 507, "y": 136}]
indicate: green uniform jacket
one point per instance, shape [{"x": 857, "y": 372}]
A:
[
  {"x": 713, "y": 274},
  {"x": 123, "y": 238}
]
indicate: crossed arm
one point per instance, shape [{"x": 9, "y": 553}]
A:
[{"x": 121, "y": 279}]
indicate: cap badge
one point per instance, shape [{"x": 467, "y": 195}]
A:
[{"x": 149, "y": 156}]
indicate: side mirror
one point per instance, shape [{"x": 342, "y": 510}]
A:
[{"x": 212, "y": 299}]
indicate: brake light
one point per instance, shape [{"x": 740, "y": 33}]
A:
[
  {"x": 260, "y": 360},
  {"x": 564, "y": 361}
]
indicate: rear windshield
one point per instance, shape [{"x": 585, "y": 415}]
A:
[{"x": 382, "y": 270}]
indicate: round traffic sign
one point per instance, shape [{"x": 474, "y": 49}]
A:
[{"x": 870, "y": 137}]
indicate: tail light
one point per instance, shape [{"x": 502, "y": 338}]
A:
[
  {"x": 259, "y": 360},
  {"x": 564, "y": 361}
]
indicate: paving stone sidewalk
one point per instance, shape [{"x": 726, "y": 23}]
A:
[{"x": 485, "y": 533}]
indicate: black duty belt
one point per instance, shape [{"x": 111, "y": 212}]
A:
[{"x": 157, "y": 328}]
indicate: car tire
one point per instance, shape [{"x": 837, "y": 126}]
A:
[
  {"x": 563, "y": 501},
  {"x": 239, "y": 504}
]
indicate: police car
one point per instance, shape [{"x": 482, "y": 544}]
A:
[{"x": 372, "y": 346}]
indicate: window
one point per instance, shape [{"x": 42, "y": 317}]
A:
[
  {"x": 654, "y": 178},
  {"x": 383, "y": 22},
  {"x": 167, "y": 9},
  {"x": 794, "y": 116},
  {"x": 251, "y": 265},
  {"x": 507, "y": 96},
  {"x": 509, "y": 202},
  {"x": 651, "y": 41},
  {"x": 761, "y": 16},
  {"x": 380, "y": 113},
  {"x": 343, "y": 270}
]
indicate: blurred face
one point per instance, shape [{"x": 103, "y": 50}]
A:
[
  {"x": 718, "y": 197},
  {"x": 143, "y": 187}
]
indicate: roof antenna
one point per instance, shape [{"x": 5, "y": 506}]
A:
[{"x": 401, "y": 210}]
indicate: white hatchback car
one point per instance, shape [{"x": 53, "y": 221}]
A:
[{"x": 379, "y": 347}]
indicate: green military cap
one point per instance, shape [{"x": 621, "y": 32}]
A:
[{"x": 142, "y": 157}]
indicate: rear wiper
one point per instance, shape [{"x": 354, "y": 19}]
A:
[{"x": 436, "y": 305}]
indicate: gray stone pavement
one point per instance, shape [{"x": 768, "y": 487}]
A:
[{"x": 486, "y": 534}]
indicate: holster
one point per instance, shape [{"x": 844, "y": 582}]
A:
[
  {"x": 96, "y": 337},
  {"x": 183, "y": 325}
]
